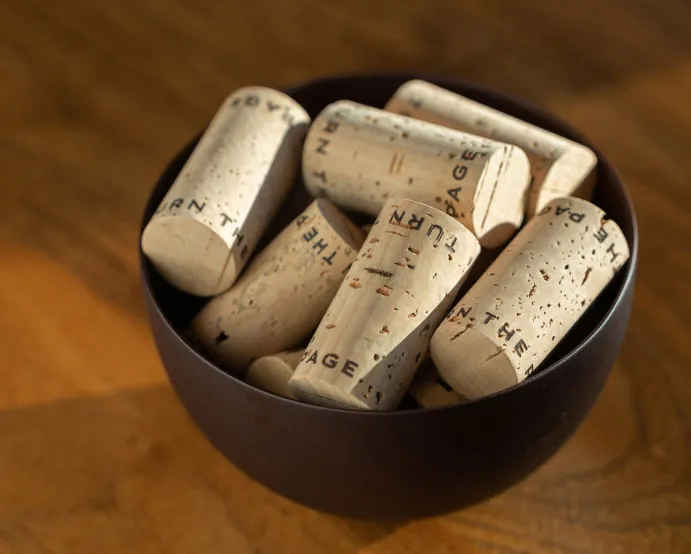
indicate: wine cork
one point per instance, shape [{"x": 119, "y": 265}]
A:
[
  {"x": 359, "y": 157},
  {"x": 272, "y": 373},
  {"x": 429, "y": 390},
  {"x": 529, "y": 298},
  {"x": 376, "y": 332},
  {"x": 559, "y": 166},
  {"x": 210, "y": 221},
  {"x": 285, "y": 290}
]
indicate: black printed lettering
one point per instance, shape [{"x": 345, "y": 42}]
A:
[
  {"x": 193, "y": 202},
  {"x": 469, "y": 155},
  {"x": 505, "y": 333},
  {"x": 272, "y": 107},
  {"x": 529, "y": 371},
  {"x": 415, "y": 223},
  {"x": 601, "y": 235},
  {"x": 561, "y": 210},
  {"x": 313, "y": 358},
  {"x": 490, "y": 317},
  {"x": 329, "y": 259},
  {"x": 459, "y": 172},
  {"x": 320, "y": 175},
  {"x": 301, "y": 219},
  {"x": 252, "y": 100},
  {"x": 323, "y": 143},
  {"x": 176, "y": 203},
  {"x": 397, "y": 217},
  {"x": 451, "y": 246},
  {"x": 463, "y": 311},
  {"x": 226, "y": 219},
  {"x": 321, "y": 245},
  {"x": 305, "y": 354},
  {"x": 349, "y": 367},
  {"x": 611, "y": 251},
  {"x": 576, "y": 218},
  {"x": 440, "y": 231},
  {"x": 330, "y": 360},
  {"x": 331, "y": 126},
  {"x": 450, "y": 210},
  {"x": 453, "y": 193},
  {"x": 309, "y": 235},
  {"x": 520, "y": 348}
]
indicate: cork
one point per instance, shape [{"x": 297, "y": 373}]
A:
[
  {"x": 376, "y": 332},
  {"x": 560, "y": 167},
  {"x": 359, "y": 157},
  {"x": 272, "y": 373},
  {"x": 529, "y": 298},
  {"x": 209, "y": 222},
  {"x": 428, "y": 390},
  {"x": 285, "y": 290}
]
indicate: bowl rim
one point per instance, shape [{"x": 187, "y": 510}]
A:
[{"x": 444, "y": 81}]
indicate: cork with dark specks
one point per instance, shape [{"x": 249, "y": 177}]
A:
[
  {"x": 529, "y": 298},
  {"x": 376, "y": 332}
]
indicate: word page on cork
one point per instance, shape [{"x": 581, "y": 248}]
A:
[
  {"x": 359, "y": 157},
  {"x": 559, "y": 166}
]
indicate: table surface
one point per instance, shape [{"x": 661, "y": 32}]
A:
[{"x": 96, "y": 452}]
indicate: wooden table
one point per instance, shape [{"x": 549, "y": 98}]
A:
[{"x": 97, "y": 454}]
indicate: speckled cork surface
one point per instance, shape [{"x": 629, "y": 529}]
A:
[
  {"x": 360, "y": 157},
  {"x": 211, "y": 219},
  {"x": 529, "y": 298},
  {"x": 285, "y": 291},
  {"x": 559, "y": 166},
  {"x": 376, "y": 332}
]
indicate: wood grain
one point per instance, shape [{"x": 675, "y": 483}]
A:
[{"x": 96, "y": 453}]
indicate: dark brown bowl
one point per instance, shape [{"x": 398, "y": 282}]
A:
[{"x": 408, "y": 463}]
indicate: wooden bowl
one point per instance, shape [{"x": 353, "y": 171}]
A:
[{"x": 408, "y": 463}]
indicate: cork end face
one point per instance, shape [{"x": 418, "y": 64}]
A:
[
  {"x": 323, "y": 394},
  {"x": 500, "y": 200},
  {"x": 189, "y": 255},
  {"x": 572, "y": 174},
  {"x": 483, "y": 369},
  {"x": 271, "y": 374}
]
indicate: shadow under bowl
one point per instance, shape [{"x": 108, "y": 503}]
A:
[{"x": 408, "y": 463}]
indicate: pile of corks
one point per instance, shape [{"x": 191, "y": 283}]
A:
[{"x": 341, "y": 316}]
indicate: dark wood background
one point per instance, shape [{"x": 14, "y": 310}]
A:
[{"x": 96, "y": 453}]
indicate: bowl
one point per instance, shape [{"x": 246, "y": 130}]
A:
[{"x": 409, "y": 463}]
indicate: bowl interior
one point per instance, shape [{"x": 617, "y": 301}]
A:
[{"x": 375, "y": 90}]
